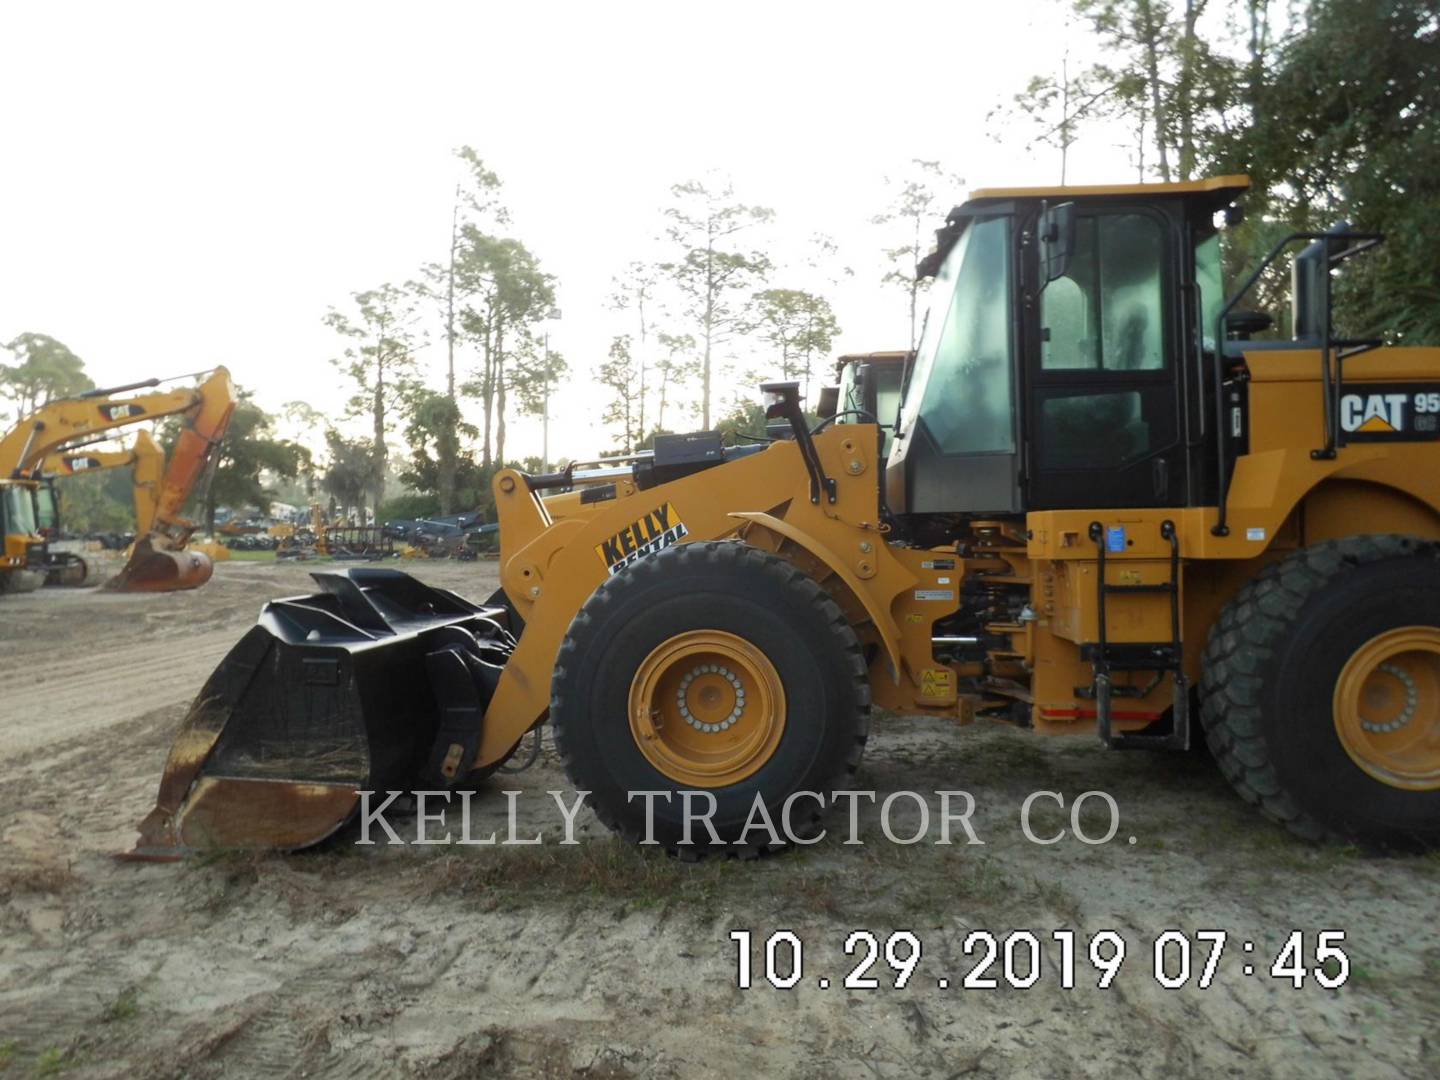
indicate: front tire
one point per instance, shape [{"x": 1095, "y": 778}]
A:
[
  {"x": 1321, "y": 691},
  {"x": 711, "y": 667}
]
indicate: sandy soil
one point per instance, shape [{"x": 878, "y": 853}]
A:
[{"x": 602, "y": 961}]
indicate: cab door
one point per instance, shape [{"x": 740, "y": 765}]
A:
[{"x": 1102, "y": 417}]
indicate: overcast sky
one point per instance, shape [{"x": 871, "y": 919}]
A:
[{"x": 191, "y": 184}]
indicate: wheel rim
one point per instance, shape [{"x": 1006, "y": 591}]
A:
[
  {"x": 1387, "y": 707},
  {"x": 707, "y": 708}
]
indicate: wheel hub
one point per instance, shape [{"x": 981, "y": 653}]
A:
[
  {"x": 707, "y": 691},
  {"x": 1387, "y": 707},
  {"x": 707, "y": 708}
]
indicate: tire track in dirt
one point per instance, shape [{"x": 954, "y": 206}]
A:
[{"x": 56, "y": 700}]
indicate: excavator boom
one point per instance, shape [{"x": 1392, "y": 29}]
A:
[{"x": 159, "y": 561}]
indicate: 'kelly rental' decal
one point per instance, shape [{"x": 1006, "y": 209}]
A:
[{"x": 655, "y": 531}]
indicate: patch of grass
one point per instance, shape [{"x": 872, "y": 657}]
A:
[
  {"x": 1058, "y": 899},
  {"x": 251, "y": 556},
  {"x": 51, "y": 1062},
  {"x": 126, "y": 1006},
  {"x": 8, "y": 1049}
]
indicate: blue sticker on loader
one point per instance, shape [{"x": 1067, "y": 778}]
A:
[{"x": 1115, "y": 538}]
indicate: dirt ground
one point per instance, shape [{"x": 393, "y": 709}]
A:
[{"x": 596, "y": 960}]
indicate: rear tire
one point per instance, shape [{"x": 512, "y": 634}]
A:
[
  {"x": 1276, "y": 669},
  {"x": 788, "y": 643}
]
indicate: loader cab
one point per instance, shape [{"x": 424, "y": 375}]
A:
[
  {"x": 1060, "y": 364},
  {"x": 22, "y": 541},
  {"x": 869, "y": 390}
]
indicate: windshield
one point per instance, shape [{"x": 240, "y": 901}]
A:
[
  {"x": 962, "y": 386},
  {"x": 19, "y": 509}
]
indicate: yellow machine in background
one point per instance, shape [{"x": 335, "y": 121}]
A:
[
  {"x": 1105, "y": 505},
  {"x": 160, "y": 560},
  {"x": 22, "y": 559}
]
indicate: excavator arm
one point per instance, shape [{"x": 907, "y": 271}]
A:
[
  {"x": 158, "y": 562},
  {"x": 144, "y": 457},
  {"x": 57, "y": 424}
]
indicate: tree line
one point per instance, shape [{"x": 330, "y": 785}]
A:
[
  {"x": 717, "y": 308},
  {"x": 1329, "y": 105}
]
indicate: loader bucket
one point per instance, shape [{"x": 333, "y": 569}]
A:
[
  {"x": 377, "y": 682},
  {"x": 154, "y": 568}
]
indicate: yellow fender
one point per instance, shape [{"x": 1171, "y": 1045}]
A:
[{"x": 885, "y": 625}]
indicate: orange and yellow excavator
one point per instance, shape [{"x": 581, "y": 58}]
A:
[{"x": 159, "y": 560}]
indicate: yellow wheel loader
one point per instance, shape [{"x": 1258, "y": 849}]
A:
[
  {"x": 159, "y": 560},
  {"x": 1108, "y": 508}
]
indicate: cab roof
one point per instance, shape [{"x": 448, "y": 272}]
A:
[
  {"x": 886, "y": 356},
  {"x": 1221, "y": 189},
  {"x": 1212, "y": 193}
]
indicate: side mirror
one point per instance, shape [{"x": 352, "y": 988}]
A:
[
  {"x": 1056, "y": 233},
  {"x": 829, "y": 402}
]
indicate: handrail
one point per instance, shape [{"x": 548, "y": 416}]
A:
[{"x": 1361, "y": 241}]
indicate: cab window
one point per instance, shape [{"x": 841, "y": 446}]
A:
[
  {"x": 964, "y": 363},
  {"x": 1106, "y": 313}
]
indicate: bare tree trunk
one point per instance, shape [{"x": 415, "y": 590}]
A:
[
  {"x": 1150, "y": 33},
  {"x": 1140, "y": 144},
  {"x": 1064, "y": 116},
  {"x": 487, "y": 390},
  {"x": 639, "y": 307},
  {"x": 500, "y": 396},
  {"x": 914, "y": 280},
  {"x": 1185, "y": 88},
  {"x": 379, "y": 449},
  {"x": 709, "y": 331},
  {"x": 446, "y": 448}
]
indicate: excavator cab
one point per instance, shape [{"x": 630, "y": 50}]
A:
[{"x": 1062, "y": 362}]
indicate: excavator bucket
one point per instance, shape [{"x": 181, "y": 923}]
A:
[
  {"x": 153, "y": 567},
  {"x": 377, "y": 682}
]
